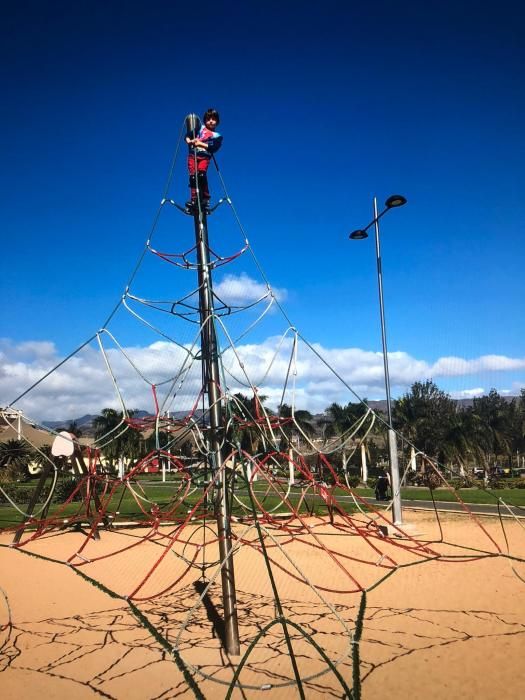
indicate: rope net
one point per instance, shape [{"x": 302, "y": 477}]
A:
[{"x": 306, "y": 547}]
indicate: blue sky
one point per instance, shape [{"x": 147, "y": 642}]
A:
[{"x": 321, "y": 109}]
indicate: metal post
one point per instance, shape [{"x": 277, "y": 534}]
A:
[
  {"x": 211, "y": 382},
  {"x": 392, "y": 439}
]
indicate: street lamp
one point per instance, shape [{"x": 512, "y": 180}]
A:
[{"x": 395, "y": 200}]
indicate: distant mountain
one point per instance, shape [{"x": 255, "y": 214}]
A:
[{"x": 85, "y": 423}]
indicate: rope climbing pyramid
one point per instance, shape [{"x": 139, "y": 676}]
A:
[{"x": 251, "y": 560}]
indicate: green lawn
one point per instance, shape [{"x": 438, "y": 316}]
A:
[
  {"x": 129, "y": 508},
  {"x": 167, "y": 495},
  {"x": 513, "y": 497}
]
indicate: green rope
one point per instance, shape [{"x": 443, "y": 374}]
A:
[
  {"x": 307, "y": 636},
  {"x": 164, "y": 643},
  {"x": 356, "y": 662},
  {"x": 276, "y": 596},
  {"x": 284, "y": 622}
]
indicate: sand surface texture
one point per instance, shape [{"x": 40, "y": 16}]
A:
[{"x": 444, "y": 615}]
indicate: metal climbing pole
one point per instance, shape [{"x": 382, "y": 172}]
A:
[{"x": 211, "y": 384}]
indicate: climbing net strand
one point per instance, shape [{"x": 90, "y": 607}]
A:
[{"x": 295, "y": 519}]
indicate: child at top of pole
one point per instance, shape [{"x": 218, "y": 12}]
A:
[{"x": 205, "y": 143}]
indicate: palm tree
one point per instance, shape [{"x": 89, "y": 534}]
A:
[
  {"x": 116, "y": 437},
  {"x": 518, "y": 429},
  {"x": 299, "y": 422},
  {"x": 458, "y": 444},
  {"x": 249, "y": 425},
  {"x": 340, "y": 421},
  {"x": 74, "y": 429},
  {"x": 15, "y": 456},
  {"x": 42, "y": 456},
  {"x": 293, "y": 424},
  {"x": 522, "y": 413}
]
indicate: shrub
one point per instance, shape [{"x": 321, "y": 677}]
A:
[
  {"x": 64, "y": 489},
  {"x": 460, "y": 483},
  {"x": 412, "y": 478},
  {"x": 17, "y": 494},
  {"x": 515, "y": 483},
  {"x": 432, "y": 480},
  {"x": 495, "y": 483},
  {"x": 8, "y": 490}
]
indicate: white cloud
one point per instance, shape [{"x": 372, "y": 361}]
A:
[
  {"x": 277, "y": 365},
  {"x": 457, "y": 366},
  {"x": 239, "y": 290},
  {"x": 516, "y": 388},
  {"x": 468, "y": 393}
]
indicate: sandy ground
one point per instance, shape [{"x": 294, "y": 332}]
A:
[{"x": 445, "y": 620}]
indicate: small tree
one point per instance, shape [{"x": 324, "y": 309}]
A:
[
  {"x": 495, "y": 416},
  {"x": 425, "y": 415}
]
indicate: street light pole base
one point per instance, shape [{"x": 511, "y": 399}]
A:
[{"x": 397, "y": 515}]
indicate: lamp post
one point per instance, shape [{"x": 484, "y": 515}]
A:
[{"x": 395, "y": 200}]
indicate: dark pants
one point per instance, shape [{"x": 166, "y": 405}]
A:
[
  {"x": 202, "y": 167},
  {"x": 382, "y": 489}
]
